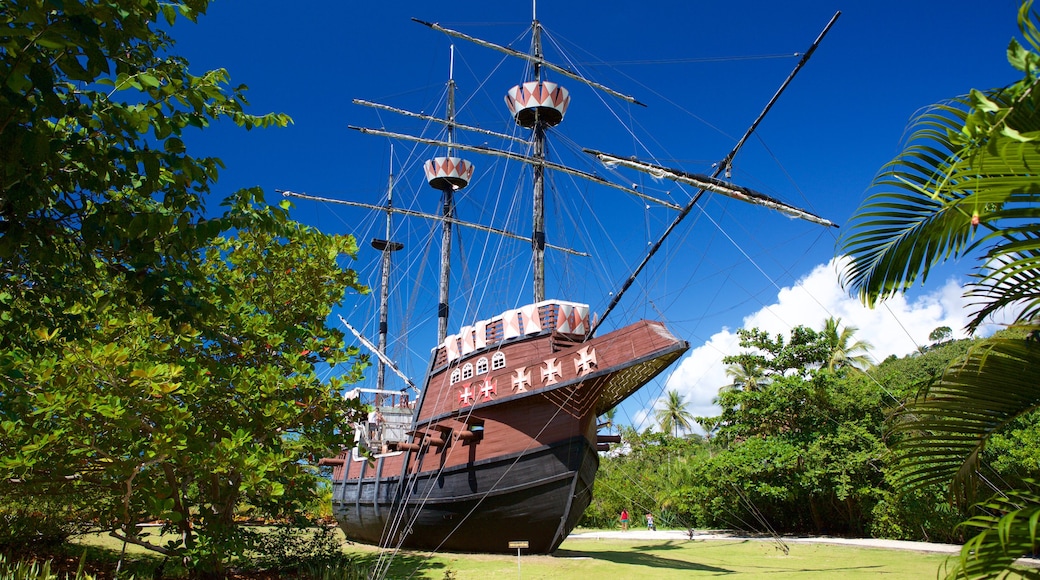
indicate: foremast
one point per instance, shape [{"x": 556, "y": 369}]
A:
[{"x": 386, "y": 247}]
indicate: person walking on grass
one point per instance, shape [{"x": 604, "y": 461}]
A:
[
  {"x": 650, "y": 522},
  {"x": 624, "y": 519}
]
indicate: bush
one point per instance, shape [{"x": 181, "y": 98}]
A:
[
  {"x": 40, "y": 522},
  {"x": 314, "y": 552},
  {"x": 918, "y": 516}
]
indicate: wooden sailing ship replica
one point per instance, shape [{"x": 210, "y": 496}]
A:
[{"x": 499, "y": 444}]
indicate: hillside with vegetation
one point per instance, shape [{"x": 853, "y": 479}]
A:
[{"x": 800, "y": 447}]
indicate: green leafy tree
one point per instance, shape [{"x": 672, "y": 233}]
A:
[
  {"x": 802, "y": 453},
  {"x": 95, "y": 174},
  {"x": 799, "y": 453},
  {"x": 769, "y": 357},
  {"x": 156, "y": 361},
  {"x": 674, "y": 416},
  {"x": 643, "y": 476},
  {"x": 710, "y": 425},
  {"x": 940, "y": 334},
  {"x": 190, "y": 423},
  {"x": 965, "y": 185}
]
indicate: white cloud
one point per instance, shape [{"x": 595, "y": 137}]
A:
[{"x": 897, "y": 326}]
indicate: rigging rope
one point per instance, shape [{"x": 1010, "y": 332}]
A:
[{"x": 495, "y": 259}]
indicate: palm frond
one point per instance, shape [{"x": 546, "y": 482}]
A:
[
  {"x": 915, "y": 220},
  {"x": 1009, "y": 282},
  {"x": 964, "y": 168},
  {"x": 945, "y": 428},
  {"x": 1001, "y": 539}
]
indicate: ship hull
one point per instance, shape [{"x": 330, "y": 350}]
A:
[
  {"x": 487, "y": 465},
  {"x": 468, "y": 509}
]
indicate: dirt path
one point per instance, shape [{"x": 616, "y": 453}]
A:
[{"x": 639, "y": 534}]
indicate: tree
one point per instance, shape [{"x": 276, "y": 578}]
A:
[
  {"x": 771, "y": 357},
  {"x": 803, "y": 453},
  {"x": 96, "y": 175},
  {"x": 155, "y": 361},
  {"x": 940, "y": 335},
  {"x": 644, "y": 477},
  {"x": 965, "y": 185},
  {"x": 746, "y": 375},
  {"x": 799, "y": 454},
  {"x": 190, "y": 422},
  {"x": 674, "y": 416},
  {"x": 845, "y": 352}
]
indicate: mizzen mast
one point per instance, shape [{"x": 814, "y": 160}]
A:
[{"x": 447, "y": 174}]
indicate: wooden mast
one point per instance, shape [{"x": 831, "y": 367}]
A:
[
  {"x": 538, "y": 219},
  {"x": 538, "y": 105},
  {"x": 386, "y": 247},
  {"x": 447, "y": 174}
]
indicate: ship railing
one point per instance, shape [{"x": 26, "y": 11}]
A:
[
  {"x": 389, "y": 418},
  {"x": 563, "y": 318},
  {"x": 383, "y": 397},
  {"x": 386, "y": 427},
  {"x": 396, "y": 422}
]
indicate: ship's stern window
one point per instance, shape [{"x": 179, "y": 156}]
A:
[
  {"x": 498, "y": 361},
  {"x": 467, "y": 371},
  {"x": 482, "y": 366},
  {"x": 456, "y": 376}
]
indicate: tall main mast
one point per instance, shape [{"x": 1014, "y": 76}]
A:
[
  {"x": 538, "y": 218},
  {"x": 447, "y": 174},
  {"x": 538, "y": 105}
]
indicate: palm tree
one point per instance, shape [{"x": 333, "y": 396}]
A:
[
  {"x": 710, "y": 426},
  {"x": 674, "y": 416},
  {"x": 965, "y": 185},
  {"x": 746, "y": 374},
  {"x": 842, "y": 353}
]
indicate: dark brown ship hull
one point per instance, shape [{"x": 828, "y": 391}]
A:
[
  {"x": 468, "y": 509},
  {"x": 486, "y": 465}
]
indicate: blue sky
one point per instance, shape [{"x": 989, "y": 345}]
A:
[{"x": 704, "y": 69}]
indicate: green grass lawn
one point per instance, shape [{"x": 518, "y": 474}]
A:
[
  {"x": 590, "y": 558},
  {"x": 582, "y": 558}
]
